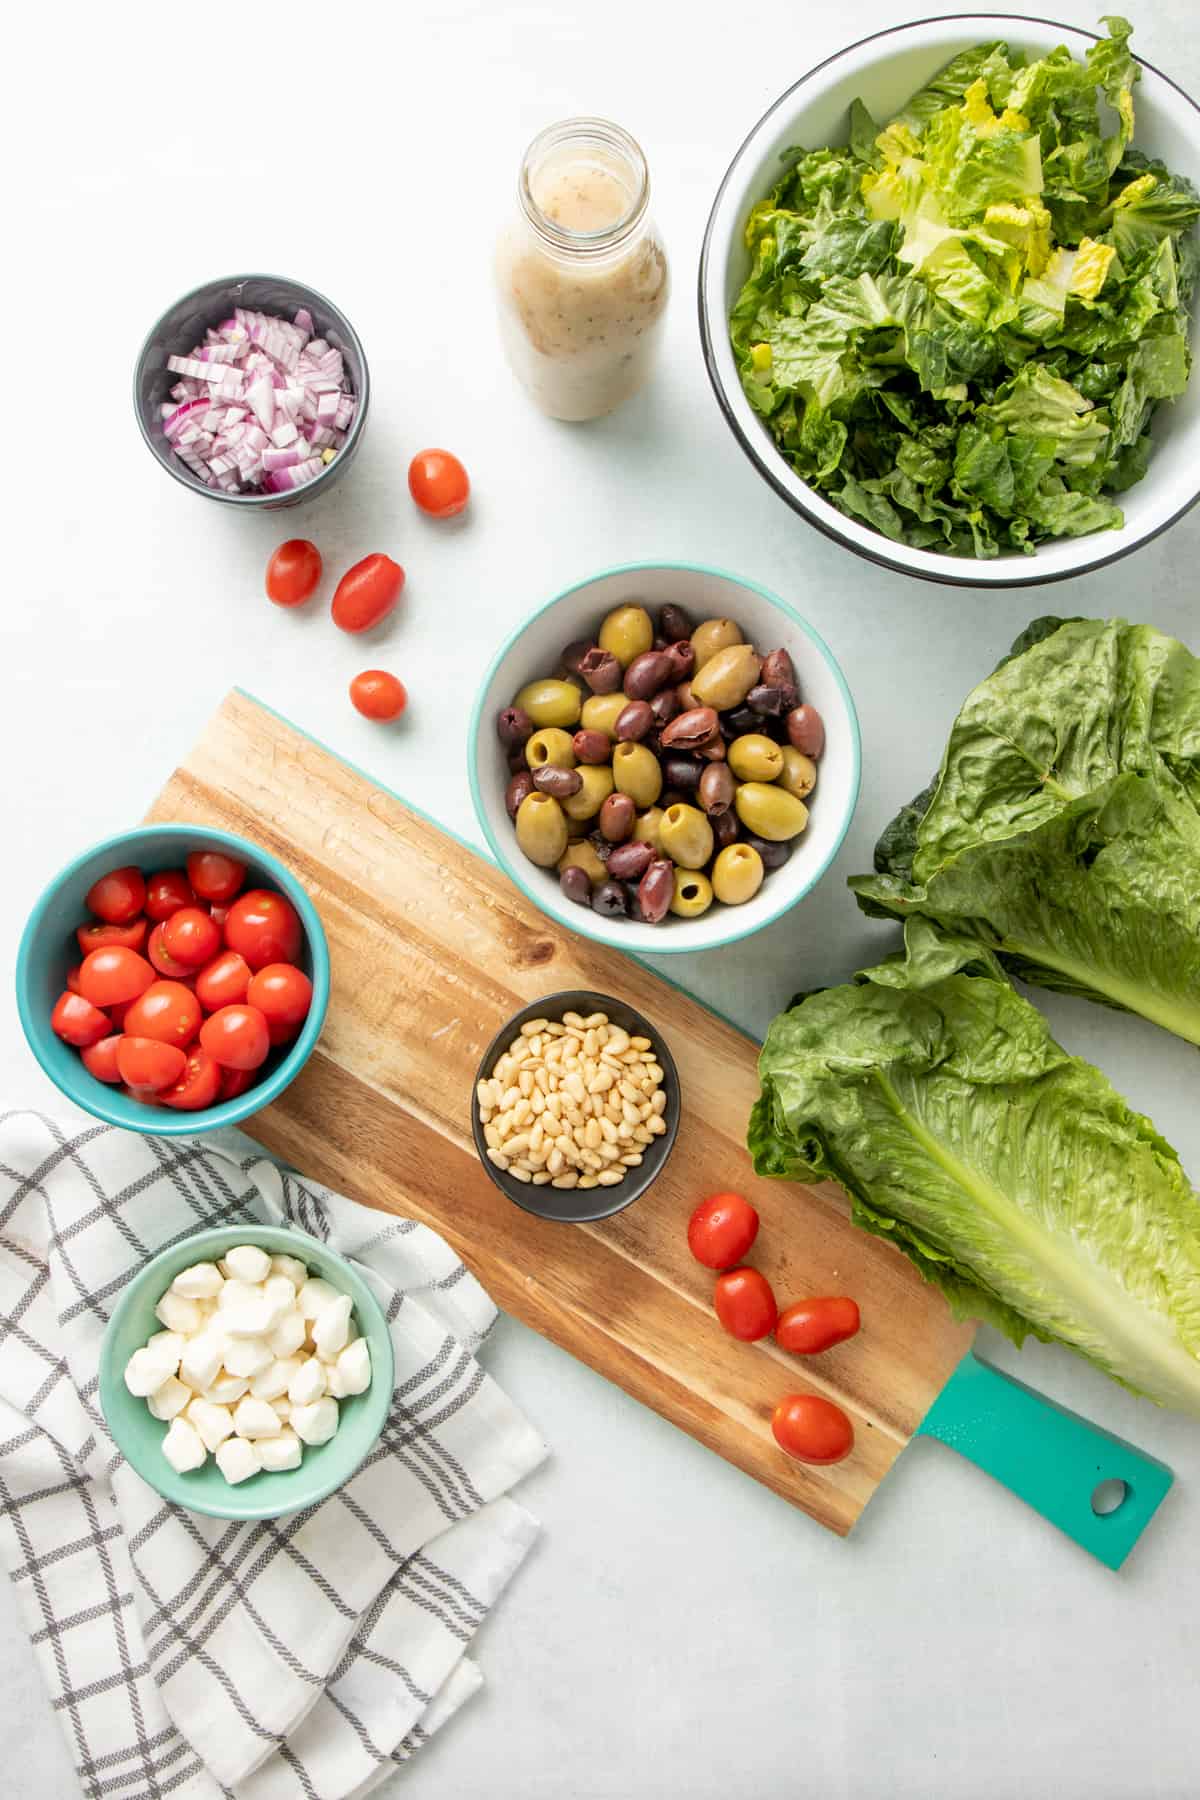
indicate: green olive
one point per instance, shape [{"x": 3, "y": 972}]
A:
[
  {"x": 693, "y": 894},
  {"x": 799, "y": 775},
  {"x": 770, "y": 812},
  {"x": 727, "y": 677},
  {"x": 754, "y": 757},
  {"x": 647, "y": 828},
  {"x": 597, "y": 786},
  {"x": 583, "y": 856},
  {"x": 550, "y": 748},
  {"x": 636, "y": 773},
  {"x": 541, "y": 829},
  {"x": 714, "y": 635},
  {"x": 626, "y": 632},
  {"x": 550, "y": 702},
  {"x": 686, "y": 836},
  {"x": 601, "y": 712},
  {"x": 737, "y": 874}
]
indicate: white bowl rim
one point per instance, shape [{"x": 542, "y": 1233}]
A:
[{"x": 759, "y": 446}]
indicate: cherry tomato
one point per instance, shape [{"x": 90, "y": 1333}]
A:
[
  {"x": 108, "y": 976},
  {"x": 166, "y": 892},
  {"x": 293, "y": 572},
  {"x": 721, "y": 1230},
  {"x": 223, "y": 981},
  {"x": 118, "y": 896},
  {"x": 143, "y": 1095},
  {"x": 438, "y": 483},
  {"x": 73, "y": 978},
  {"x": 76, "y": 1021},
  {"x": 745, "y": 1304},
  {"x": 283, "y": 995},
  {"x": 235, "y": 1082},
  {"x": 236, "y": 1037},
  {"x": 264, "y": 927},
  {"x": 190, "y": 937},
  {"x": 100, "y": 1059},
  {"x": 168, "y": 1011},
  {"x": 96, "y": 937},
  {"x": 146, "y": 1063},
  {"x": 198, "y": 1086},
  {"x": 215, "y": 876},
  {"x": 367, "y": 593},
  {"x": 378, "y": 695},
  {"x": 161, "y": 957},
  {"x": 812, "y": 1428},
  {"x": 814, "y": 1325}
]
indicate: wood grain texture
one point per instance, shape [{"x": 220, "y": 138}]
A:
[{"x": 432, "y": 949}]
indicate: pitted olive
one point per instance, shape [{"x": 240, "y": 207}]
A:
[
  {"x": 686, "y": 836},
  {"x": 591, "y": 746},
  {"x": 647, "y": 673},
  {"x": 655, "y": 892},
  {"x": 629, "y": 862},
  {"x": 626, "y": 632},
  {"x": 636, "y": 773},
  {"x": 799, "y": 774},
  {"x": 618, "y": 815},
  {"x": 541, "y": 829},
  {"x": 737, "y": 874},
  {"x": 601, "y": 711},
  {"x": 633, "y": 721},
  {"x": 727, "y": 677},
  {"x": 806, "y": 730},
  {"x": 595, "y": 785},
  {"x": 550, "y": 702},
  {"x": 716, "y": 788},
  {"x": 714, "y": 635},
  {"x": 646, "y": 828},
  {"x": 550, "y": 748},
  {"x": 770, "y": 811},
  {"x": 562, "y": 783},
  {"x": 693, "y": 894},
  {"x": 513, "y": 727},
  {"x": 755, "y": 758}
]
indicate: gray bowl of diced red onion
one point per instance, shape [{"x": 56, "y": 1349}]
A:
[{"x": 253, "y": 390}]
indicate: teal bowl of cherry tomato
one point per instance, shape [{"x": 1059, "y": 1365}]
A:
[{"x": 170, "y": 942}]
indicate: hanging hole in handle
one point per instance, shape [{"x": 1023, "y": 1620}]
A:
[{"x": 1109, "y": 1497}]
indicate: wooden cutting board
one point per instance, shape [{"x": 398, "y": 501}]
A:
[{"x": 432, "y": 949}]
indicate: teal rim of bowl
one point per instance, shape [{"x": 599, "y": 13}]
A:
[
  {"x": 683, "y": 568},
  {"x": 155, "y": 1470},
  {"x": 162, "y": 1121}
]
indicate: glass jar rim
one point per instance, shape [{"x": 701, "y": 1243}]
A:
[{"x": 594, "y": 133}]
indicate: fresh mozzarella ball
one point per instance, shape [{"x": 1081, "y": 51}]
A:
[
  {"x": 201, "y": 1361},
  {"x": 182, "y": 1447},
  {"x": 238, "y": 1459},
  {"x": 281, "y": 1452},
  {"x": 214, "y": 1423},
  {"x": 168, "y": 1346},
  {"x": 146, "y": 1371},
  {"x": 248, "y": 1263},
  {"x": 331, "y": 1331},
  {"x": 168, "y": 1400},
  {"x": 292, "y": 1267},
  {"x": 178, "y": 1314},
  {"x": 254, "y": 1318},
  {"x": 248, "y": 1356},
  {"x": 274, "y": 1381},
  {"x": 351, "y": 1373},
  {"x": 317, "y": 1423},
  {"x": 201, "y": 1282},
  {"x": 281, "y": 1292},
  {"x": 238, "y": 1293},
  {"x": 314, "y": 1296},
  {"x": 283, "y": 1409},
  {"x": 255, "y": 1418},
  {"x": 289, "y": 1334},
  {"x": 227, "y": 1389},
  {"x": 307, "y": 1384}
]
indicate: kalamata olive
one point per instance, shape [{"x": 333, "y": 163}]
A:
[
  {"x": 656, "y": 890},
  {"x": 687, "y": 700},
  {"x": 773, "y": 855},
  {"x": 683, "y": 660},
  {"x": 806, "y": 730},
  {"x": 591, "y": 746},
  {"x": 778, "y": 670},
  {"x": 770, "y": 701},
  {"x": 517, "y": 790},
  {"x": 573, "y": 656},
  {"x": 513, "y": 727},
  {"x": 690, "y": 729},
  {"x": 575, "y": 885},
  {"x": 633, "y": 722},
  {"x": 716, "y": 788},
  {"x": 713, "y": 750},
  {"x": 738, "y": 720},
  {"x": 601, "y": 670},
  {"x": 610, "y": 900},
  {"x": 629, "y": 862},
  {"x": 664, "y": 706},
  {"x": 562, "y": 783},
  {"x": 681, "y": 773},
  {"x": 725, "y": 826},
  {"x": 648, "y": 672},
  {"x": 618, "y": 816},
  {"x": 674, "y": 624}
]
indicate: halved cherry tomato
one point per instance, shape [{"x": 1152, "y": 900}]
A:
[
  {"x": 215, "y": 876},
  {"x": 166, "y": 892},
  {"x": 264, "y": 927},
  {"x": 378, "y": 695},
  {"x": 367, "y": 593},
  {"x": 147, "y": 1063},
  {"x": 190, "y": 936},
  {"x": 100, "y": 1059},
  {"x": 118, "y": 896},
  {"x": 76, "y": 1021},
  {"x": 745, "y": 1304},
  {"x": 236, "y": 1037},
  {"x": 293, "y": 572},
  {"x": 812, "y": 1429},
  {"x": 73, "y": 978},
  {"x": 161, "y": 957},
  {"x": 235, "y": 1082},
  {"x": 168, "y": 1012},
  {"x": 108, "y": 976},
  {"x": 96, "y": 937},
  {"x": 223, "y": 981},
  {"x": 283, "y": 994},
  {"x": 721, "y": 1230},
  {"x": 438, "y": 483},
  {"x": 198, "y": 1086},
  {"x": 811, "y": 1326}
]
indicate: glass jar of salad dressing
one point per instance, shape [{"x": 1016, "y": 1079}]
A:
[{"x": 581, "y": 272}]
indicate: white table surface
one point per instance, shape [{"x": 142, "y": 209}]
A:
[{"x": 679, "y": 1630}]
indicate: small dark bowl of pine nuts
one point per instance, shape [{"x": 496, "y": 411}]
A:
[{"x": 576, "y": 1107}]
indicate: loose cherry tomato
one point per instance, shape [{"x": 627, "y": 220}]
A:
[
  {"x": 293, "y": 572},
  {"x": 223, "y": 981},
  {"x": 438, "y": 483},
  {"x": 190, "y": 937},
  {"x": 235, "y": 1082},
  {"x": 161, "y": 957},
  {"x": 721, "y": 1230},
  {"x": 198, "y": 1086},
  {"x": 76, "y": 1021},
  {"x": 745, "y": 1304},
  {"x": 812, "y": 1428},
  {"x": 108, "y": 976},
  {"x": 236, "y": 1037},
  {"x": 264, "y": 927},
  {"x": 118, "y": 896},
  {"x": 283, "y": 994},
  {"x": 100, "y": 1059},
  {"x": 73, "y": 978},
  {"x": 97, "y": 937},
  {"x": 146, "y": 1063},
  {"x": 168, "y": 1011},
  {"x": 378, "y": 695},
  {"x": 367, "y": 593},
  {"x": 215, "y": 876},
  {"x": 811, "y": 1326},
  {"x": 166, "y": 892}
]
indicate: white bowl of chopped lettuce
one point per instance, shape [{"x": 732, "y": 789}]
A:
[{"x": 946, "y": 294}]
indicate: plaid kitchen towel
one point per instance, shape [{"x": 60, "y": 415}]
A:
[{"x": 302, "y": 1658}]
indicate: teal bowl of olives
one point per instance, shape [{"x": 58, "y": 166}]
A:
[{"x": 665, "y": 757}]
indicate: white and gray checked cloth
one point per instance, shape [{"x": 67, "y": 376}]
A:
[{"x": 303, "y": 1658}]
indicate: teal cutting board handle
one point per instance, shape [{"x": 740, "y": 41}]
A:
[{"x": 1051, "y": 1457}]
